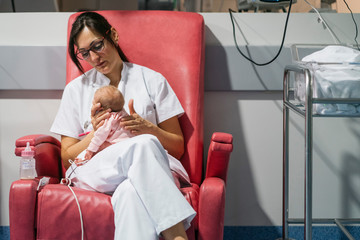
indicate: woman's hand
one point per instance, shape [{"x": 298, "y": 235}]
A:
[
  {"x": 168, "y": 132},
  {"x": 98, "y": 115},
  {"x": 136, "y": 124}
]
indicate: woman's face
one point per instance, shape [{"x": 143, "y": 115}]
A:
[{"x": 106, "y": 61}]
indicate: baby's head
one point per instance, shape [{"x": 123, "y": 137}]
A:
[{"x": 109, "y": 97}]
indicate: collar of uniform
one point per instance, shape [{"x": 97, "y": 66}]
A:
[
  {"x": 124, "y": 72},
  {"x": 101, "y": 79}
]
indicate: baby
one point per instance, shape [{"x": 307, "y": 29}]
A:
[{"x": 110, "y": 132}]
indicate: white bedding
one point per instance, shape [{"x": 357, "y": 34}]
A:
[{"x": 332, "y": 80}]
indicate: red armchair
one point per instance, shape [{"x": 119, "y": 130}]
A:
[{"x": 168, "y": 42}]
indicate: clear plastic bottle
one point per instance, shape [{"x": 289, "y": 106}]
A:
[{"x": 27, "y": 163}]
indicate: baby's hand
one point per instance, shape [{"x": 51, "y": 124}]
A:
[
  {"x": 88, "y": 155},
  {"x": 98, "y": 115},
  {"x": 79, "y": 161}
]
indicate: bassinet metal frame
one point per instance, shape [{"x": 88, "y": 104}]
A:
[{"x": 306, "y": 111}]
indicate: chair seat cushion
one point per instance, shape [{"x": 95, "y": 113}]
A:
[{"x": 56, "y": 203}]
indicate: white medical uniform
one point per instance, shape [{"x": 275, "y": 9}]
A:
[{"x": 137, "y": 170}]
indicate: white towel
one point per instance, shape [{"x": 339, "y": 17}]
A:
[
  {"x": 334, "y": 80},
  {"x": 334, "y": 54}
]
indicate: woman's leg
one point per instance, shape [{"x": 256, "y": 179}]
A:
[
  {"x": 143, "y": 161},
  {"x": 150, "y": 174},
  {"x": 132, "y": 220},
  {"x": 138, "y": 224}
]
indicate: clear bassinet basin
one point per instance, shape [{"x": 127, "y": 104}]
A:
[{"x": 335, "y": 70}]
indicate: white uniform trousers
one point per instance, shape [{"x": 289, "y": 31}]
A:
[{"x": 146, "y": 200}]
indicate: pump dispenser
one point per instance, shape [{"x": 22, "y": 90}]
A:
[{"x": 27, "y": 164}]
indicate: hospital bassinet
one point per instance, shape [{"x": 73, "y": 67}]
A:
[{"x": 314, "y": 89}]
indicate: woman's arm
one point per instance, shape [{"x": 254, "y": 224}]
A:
[
  {"x": 170, "y": 135},
  {"x": 168, "y": 132},
  {"x": 72, "y": 147}
]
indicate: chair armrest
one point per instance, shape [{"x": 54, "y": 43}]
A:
[
  {"x": 218, "y": 156},
  {"x": 211, "y": 209},
  {"x": 22, "y": 205},
  {"x": 47, "y": 154}
]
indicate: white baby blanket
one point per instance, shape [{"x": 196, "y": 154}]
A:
[{"x": 333, "y": 80}]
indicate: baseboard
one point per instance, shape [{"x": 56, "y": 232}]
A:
[
  {"x": 263, "y": 232},
  {"x": 4, "y": 233},
  {"x": 295, "y": 232}
]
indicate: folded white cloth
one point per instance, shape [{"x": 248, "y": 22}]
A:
[
  {"x": 333, "y": 80},
  {"x": 334, "y": 54}
]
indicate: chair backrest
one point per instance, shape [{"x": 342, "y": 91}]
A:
[{"x": 171, "y": 43}]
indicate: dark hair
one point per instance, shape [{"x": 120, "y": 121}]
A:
[
  {"x": 97, "y": 23},
  {"x": 110, "y": 97}
]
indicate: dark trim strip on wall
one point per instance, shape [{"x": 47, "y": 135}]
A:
[{"x": 31, "y": 94}]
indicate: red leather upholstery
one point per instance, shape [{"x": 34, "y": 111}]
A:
[
  {"x": 22, "y": 205},
  {"x": 47, "y": 151},
  {"x": 171, "y": 43},
  {"x": 65, "y": 222}
]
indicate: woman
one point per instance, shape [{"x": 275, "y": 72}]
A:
[{"x": 137, "y": 169}]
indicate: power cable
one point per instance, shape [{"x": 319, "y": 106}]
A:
[
  {"x": 320, "y": 18},
  {"x": 282, "y": 42},
  {"x": 13, "y": 5},
  {"x": 81, "y": 218},
  {"x": 67, "y": 182},
  {"x": 356, "y": 27}
]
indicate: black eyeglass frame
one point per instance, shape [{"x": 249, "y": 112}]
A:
[{"x": 93, "y": 46}]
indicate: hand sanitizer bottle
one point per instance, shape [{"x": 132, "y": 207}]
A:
[{"x": 27, "y": 164}]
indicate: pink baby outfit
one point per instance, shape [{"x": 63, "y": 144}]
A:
[{"x": 109, "y": 133}]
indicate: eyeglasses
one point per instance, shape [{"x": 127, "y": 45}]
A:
[{"x": 96, "y": 47}]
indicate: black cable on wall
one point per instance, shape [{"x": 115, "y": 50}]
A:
[
  {"x": 282, "y": 42},
  {"x": 13, "y": 5},
  {"x": 356, "y": 27}
]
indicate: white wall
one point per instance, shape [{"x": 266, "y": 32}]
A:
[
  {"x": 243, "y": 100},
  {"x": 254, "y": 187}
]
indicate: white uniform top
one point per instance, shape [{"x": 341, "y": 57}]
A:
[{"x": 154, "y": 99}]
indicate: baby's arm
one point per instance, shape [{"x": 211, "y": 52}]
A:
[{"x": 100, "y": 136}]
